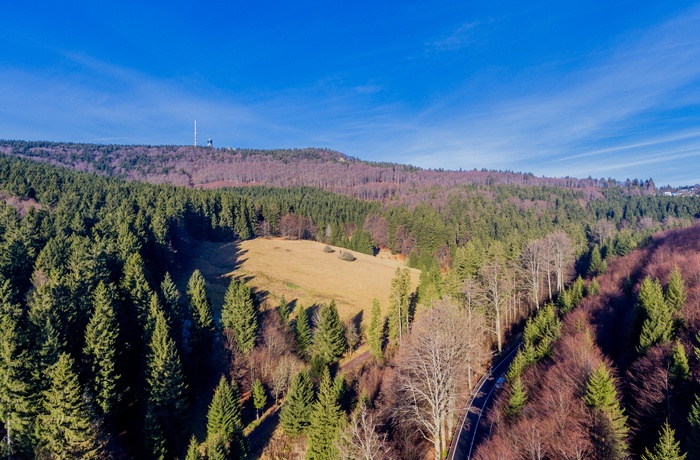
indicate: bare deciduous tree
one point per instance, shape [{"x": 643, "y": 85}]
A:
[
  {"x": 533, "y": 260},
  {"x": 360, "y": 440},
  {"x": 430, "y": 372}
]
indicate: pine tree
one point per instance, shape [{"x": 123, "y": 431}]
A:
[
  {"x": 325, "y": 422},
  {"x": 202, "y": 325},
  {"x": 15, "y": 407},
  {"x": 518, "y": 398},
  {"x": 329, "y": 339},
  {"x": 224, "y": 425},
  {"x": 240, "y": 314},
  {"x": 398, "y": 304},
  {"x": 259, "y": 397},
  {"x": 375, "y": 333},
  {"x": 667, "y": 448},
  {"x": 100, "y": 350},
  {"x": 136, "y": 287},
  {"x": 658, "y": 318},
  {"x": 610, "y": 430},
  {"x": 680, "y": 370},
  {"x": 302, "y": 331},
  {"x": 283, "y": 311},
  {"x": 296, "y": 410},
  {"x": 597, "y": 265},
  {"x": 171, "y": 306},
  {"x": 193, "y": 452},
  {"x": 593, "y": 287},
  {"x": 675, "y": 294},
  {"x": 693, "y": 439},
  {"x": 66, "y": 428},
  {"x": 166, "y": 386}
]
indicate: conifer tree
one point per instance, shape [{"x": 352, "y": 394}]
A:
[
  {"x": 609, "y": 422},
  {"x": 680, "y": 370},
  {"x": 302, "y": 331},
  {"x": 171, "y": 307},
  {"x": 283, "y": 311},
  {"x": 240, "y": 314},
  {"x": 593, "y": 287},
  {"x": 325, "y": 422},
  {"x": 667, "y": 448},
  {"x": 202, "y": 325},
  {"x": 329, "y": 339},
  {"x": 693, "y": 438},
  {"x": 518, "y": 398},
  {"x": 100, "y": 350},
  {"x": 136, "y": 287},
  {"x": 66, "y": 428},
  {"x": 597, "y": 265},
  {"x": 398, "y": 304},
  {"x": 224, "y": 425},
  {"x": 375, "y": 333},
  {"x": 193, "y": 452},
  {"x": 675, "y": 294},
  {"x": 296, "y": 409},
  {"x": 16, "y": 414},
  {"x": 166, "y": 386},
  {"x": 259, "y": 397},
  {"x": 658, "y": 318}
]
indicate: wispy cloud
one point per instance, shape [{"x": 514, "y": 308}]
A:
[{"x": 458, "y": 38}]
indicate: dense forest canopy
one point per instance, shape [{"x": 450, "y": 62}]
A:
[
  {"x": 321, "y": 168},
  {"x": 92, "y": 323}
]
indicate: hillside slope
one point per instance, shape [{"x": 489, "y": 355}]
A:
[
  {"x": 604, "y": 329},
  {"x": 322, "y": 168}
]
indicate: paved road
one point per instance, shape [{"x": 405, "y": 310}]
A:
[{"x": 472, "y": 431}]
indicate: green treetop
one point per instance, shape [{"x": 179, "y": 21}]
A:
[
  {"x": 325, "y": 422},
  {"x": 658, "y": 318},
  {"x": 240, "y": 314},
  {"x": 302, "y": 331},
  {"x": 375, "y": 333},
  {"x": 296, "y": 409},
  {"x": 675, "y": 294},
  {"x": 329, "y": 339},
  {"x": 224, "y": 425},
  {"x": 667, "y": 448}
]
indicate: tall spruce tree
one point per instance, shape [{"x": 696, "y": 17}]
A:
[
  {"x": 329, "y": 339},
  {"x": 679, "y": 370},
  {"x": 296, "y": 409},
  {"x": 302, "y": 331},
  {"x": 325, "y": 422},
  {"x": 658, "y": 318},
  {"x": 66, "y": 427},
  {"x": 375, "y": 333},
  {"x": 16, "y": 414},
  {"x": 667, "y": 448},
  {"x": 193, "y": 452},
  {"x": 675, "y": 294},
  {"x": 240, "y": 314},
  {"x": 224, "y": 425},
  {"x": 166, "y": 388},
  {"x": 136, "y": 287},
  {"x": 609, "y": 421},
  {"x": 283, "y": 312},
  {"x": 171, "y": 306},
  {"x": 259, "y": 397},
  {"x": 517, "y": 399},
  {"x": 100, "y": 351},
  {"x": 399, "y": 304},
  {"x": 693, "y": 438},
  {"x": 202, "y": 323}
]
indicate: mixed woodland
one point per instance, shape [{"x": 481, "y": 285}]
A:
[{"x": 103, "y": 355}]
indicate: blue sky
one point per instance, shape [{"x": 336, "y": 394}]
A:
[{"x": 577, "y": 88}]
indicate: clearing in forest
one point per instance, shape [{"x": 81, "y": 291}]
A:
[{"x": 299, "y": 270}]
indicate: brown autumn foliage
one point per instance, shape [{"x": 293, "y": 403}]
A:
[{"x": 555, "y": 421}]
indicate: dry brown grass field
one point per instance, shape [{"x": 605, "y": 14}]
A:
[{"x": 298, "y": 270}]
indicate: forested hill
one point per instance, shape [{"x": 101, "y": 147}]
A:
[
  {"x": 620, "y": 373},
  {"x": 321, "y": 168}
]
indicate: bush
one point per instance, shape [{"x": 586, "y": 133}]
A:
[
  {"x": 347, "y": 256},
  {"x": 328, "y": 249}
]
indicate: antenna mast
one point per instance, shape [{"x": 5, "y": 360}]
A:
[{"x": 195, "y": 133}]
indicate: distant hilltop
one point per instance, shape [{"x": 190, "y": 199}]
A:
[{"x": 316, "y": 167}]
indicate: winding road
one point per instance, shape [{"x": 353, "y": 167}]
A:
[{"x": 470, "y": 434}]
